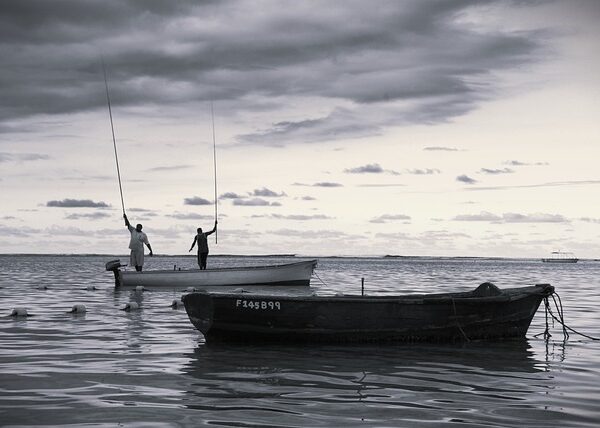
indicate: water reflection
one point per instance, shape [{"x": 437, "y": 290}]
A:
[
  {"x": 511, "y": 355},
  {"x": 148, "y": 367},
  {"x": 430, "y": 380}
]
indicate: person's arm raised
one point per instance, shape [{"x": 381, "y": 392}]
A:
[{"x": 214, "y": 229}]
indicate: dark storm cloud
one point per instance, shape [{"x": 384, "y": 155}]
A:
[
  {"x": 418, "y": 61},
  {"x": 196, "y": 200},
  {"x": 77, "y": 203},
  {"x": 466, "y": 179}
]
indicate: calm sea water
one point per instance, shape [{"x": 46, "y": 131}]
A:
[{"x": 151, "y": 368}]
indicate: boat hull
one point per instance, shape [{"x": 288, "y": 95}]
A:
[
  {"x": 291, "y": 274},
  {"x": 435, "y": 317},
  {"x": 560, "y": 257}
]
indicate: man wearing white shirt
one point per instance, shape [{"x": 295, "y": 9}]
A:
[{"x": 136, "y": 245}]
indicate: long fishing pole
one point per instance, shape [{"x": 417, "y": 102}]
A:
[
  {"x": 212, "y": 115},
  {"x": 113, "y": 136}
]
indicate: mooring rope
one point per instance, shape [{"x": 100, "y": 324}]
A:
[
  {"x": 560, "y": 311},
  {"x": 319, "y": 278},
  {"x": 560, "y": 319},
  {"x": 457, "y": 323}
]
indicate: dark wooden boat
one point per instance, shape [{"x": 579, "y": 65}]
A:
[{"x": 484, "y": 313}]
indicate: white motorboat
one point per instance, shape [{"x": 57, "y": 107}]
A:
[{"x": 561, "y": 257}]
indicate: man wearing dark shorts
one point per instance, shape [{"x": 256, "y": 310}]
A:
[{"x": 200, "y": 238}]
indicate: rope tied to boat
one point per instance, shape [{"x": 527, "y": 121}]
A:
[
  {"x": 456, "y": 320},
  {"x": 560, "y": 319},
  {"x": 314, "y": 272}
]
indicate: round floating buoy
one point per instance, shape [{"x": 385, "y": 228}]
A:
[
  {"x": 139, "y": 289},
  {"x": 91, "y": 288},
  {"x": 78, "y": 309},
  {"x": 131, "y": 306},
  {"x": 176, "y": 303},
  {"x": 19, "y": 312}
]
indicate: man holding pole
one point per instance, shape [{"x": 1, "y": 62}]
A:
[
  {"x": 136, "y": 245},
  {"x": 200, "y": 238}
]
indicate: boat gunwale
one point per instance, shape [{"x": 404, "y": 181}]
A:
[
  {"x": 224, "y": 269},
  {"x": 508, "y": 294}
]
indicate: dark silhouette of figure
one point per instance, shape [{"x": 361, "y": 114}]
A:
[
  {"x": 200, "y": 238},
  {"x": 136, "y": 245}
]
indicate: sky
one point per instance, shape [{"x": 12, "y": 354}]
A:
[{"x": 341, "y": 128}]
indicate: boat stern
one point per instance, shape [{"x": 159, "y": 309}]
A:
[{"x": 113, "y": 266}]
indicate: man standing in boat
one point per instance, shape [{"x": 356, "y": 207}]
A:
[
  {"x": 136, "y": 245},
  {"x": 200, "y": 238}
]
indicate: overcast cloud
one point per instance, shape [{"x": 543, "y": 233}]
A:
[
  {"x": 197, "y": 200},
  {"x": 77, "y": 203},
  {"x": 347, "y": 54},
  {"x": 338, "y": 115},
  {"x": 513, "y": 218},
  {"x": 22, "y": 157}
]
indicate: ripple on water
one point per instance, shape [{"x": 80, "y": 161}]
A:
[{"x": 152, "y": 368}]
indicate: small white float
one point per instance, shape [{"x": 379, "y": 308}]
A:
[{"x": 78, "y": 308}]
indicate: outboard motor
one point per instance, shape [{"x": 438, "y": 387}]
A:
[{"x": 114, "y": 266}]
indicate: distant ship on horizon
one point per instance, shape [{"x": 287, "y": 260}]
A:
[{"x": 561, "y": 257}]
